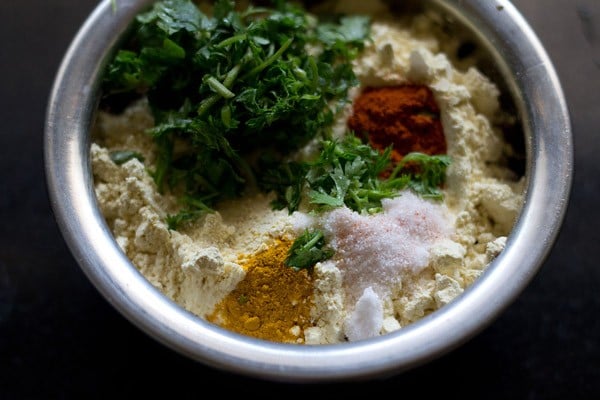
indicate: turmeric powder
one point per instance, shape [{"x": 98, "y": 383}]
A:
[{"x": 272, "y": 302}]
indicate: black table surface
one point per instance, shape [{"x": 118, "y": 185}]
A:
[{"x": 60, "y": 339}]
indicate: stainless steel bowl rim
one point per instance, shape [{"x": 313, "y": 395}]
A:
[{"x": 537, "y": 92}]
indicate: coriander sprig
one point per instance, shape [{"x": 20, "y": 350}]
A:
[
  {"x": 307, "y": 250},
  {"x": 348, "y": 172}
]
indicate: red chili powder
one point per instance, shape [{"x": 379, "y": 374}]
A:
[{"x": 404, "y": 116}]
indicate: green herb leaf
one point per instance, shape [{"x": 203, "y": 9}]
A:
[
  {"x": 427, "y": 173},
  {"x": 172, "y": 16},
  {"x": 348, "y": 173},
  {"x": 307, "y": 250}
]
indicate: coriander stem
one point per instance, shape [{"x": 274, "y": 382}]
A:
[
  {"x": 255, "y": 10},
  {"x": 231, "y": 40},
  {"x": 313, "y": 241},
  {"x": 231, "y": 75},
  {"x": 397, "y": 169},
  {"x": 314, "y": 70},
  {"x": 355, "y": 197},
  {"x": 269, "y": 60},
  {"x": 372, "y": 193},
  {"x": 219, "y": 87},
  {"x": 207, "y": 103},
  {"x": 300, "y": 73},
  {"x": 226, "y": 115}
]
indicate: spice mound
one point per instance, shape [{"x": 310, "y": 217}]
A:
[
  {"x": 404, "y": 116},
  {"x": 272, "y": 302},
  {"x": 303, "y": 176}
]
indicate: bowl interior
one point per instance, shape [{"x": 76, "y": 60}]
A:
[{"x": 510, "y": 54}]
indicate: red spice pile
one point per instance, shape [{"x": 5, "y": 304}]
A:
[{"x": 404, "y": 116}]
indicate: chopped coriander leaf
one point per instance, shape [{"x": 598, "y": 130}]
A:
[
  {"x": 307, "y": 250},
  {"x": 347, "y": 172},
  {"x": 427, "y": 173},
  {"x": 227, "y": 85}
]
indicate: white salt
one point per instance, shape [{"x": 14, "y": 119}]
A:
[
  {"x": 366, "y": 320},
  {"x": 377, "y": 250}
]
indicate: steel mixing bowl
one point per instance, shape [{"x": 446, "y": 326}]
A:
[{"x": 527, "y": 75}]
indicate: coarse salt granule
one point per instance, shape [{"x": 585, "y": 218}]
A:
[{"x": 366, "y": 320}]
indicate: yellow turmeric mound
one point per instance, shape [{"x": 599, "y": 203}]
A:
[{"x": 272, "y": 302}]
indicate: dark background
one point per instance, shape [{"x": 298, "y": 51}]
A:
[{"x": 60, "y": 339}]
